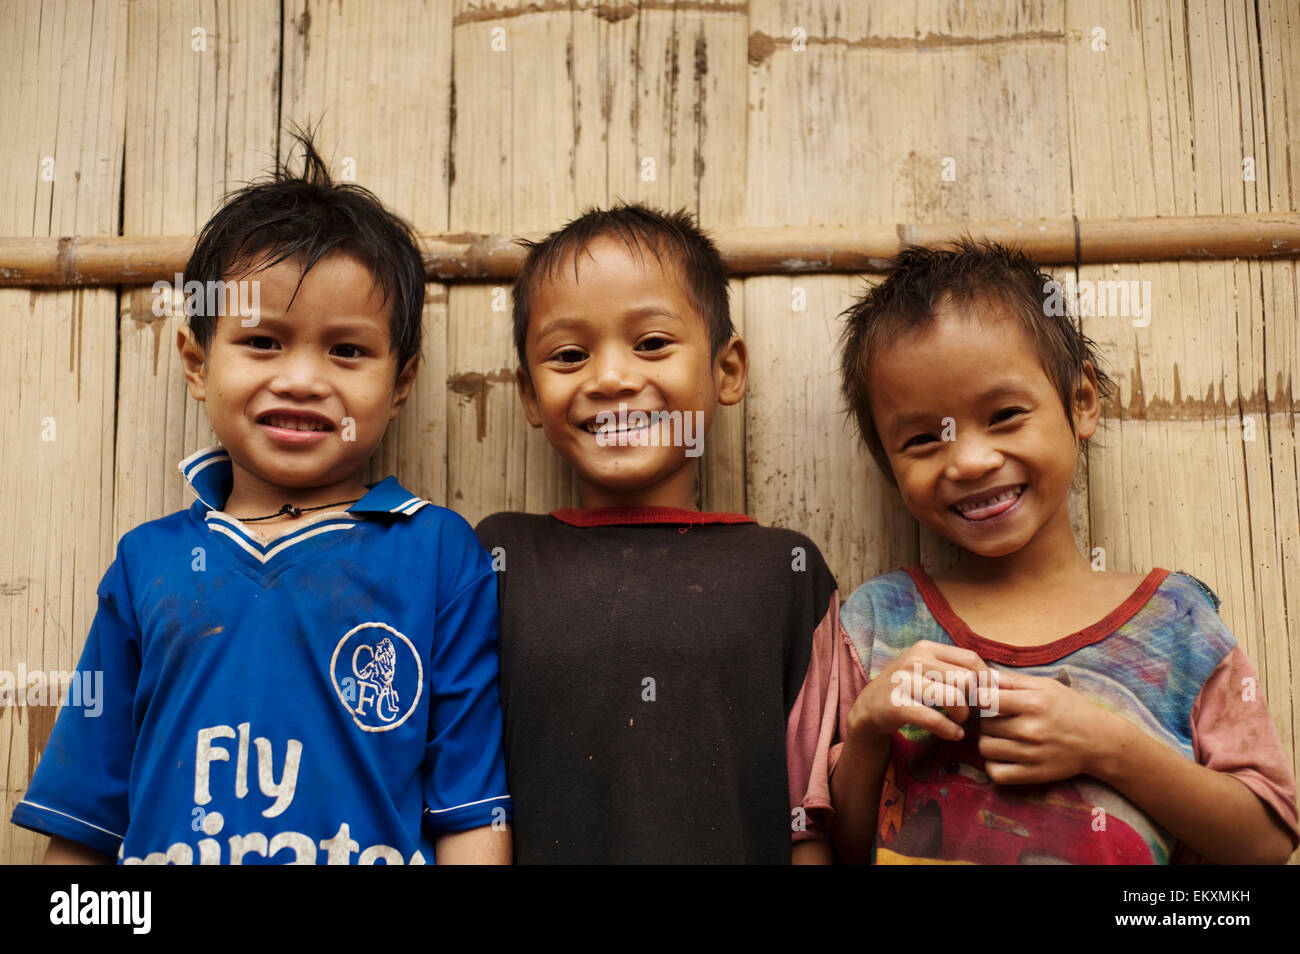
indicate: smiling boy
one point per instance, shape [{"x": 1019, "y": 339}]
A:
[
  {"x": 1120, "y": 723},
  {"x": 300, "y": 667},
  {"x": 662, "y": 676}
]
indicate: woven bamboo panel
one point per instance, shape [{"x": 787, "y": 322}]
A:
[{"x": 513, "y": 116}]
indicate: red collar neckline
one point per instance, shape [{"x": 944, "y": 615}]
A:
[
  {"x": 616, "y": 516},
  {"x": 991, "y": 651}
]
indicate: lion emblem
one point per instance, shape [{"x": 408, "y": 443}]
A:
[{"x": 377, "y": 675}]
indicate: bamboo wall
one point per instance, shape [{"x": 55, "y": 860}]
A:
[{"x": 763, "y": 113}]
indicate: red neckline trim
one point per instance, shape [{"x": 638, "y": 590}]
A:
[
  {"x": 991, "y": 651},
  {"x": 614, "y": 516}
]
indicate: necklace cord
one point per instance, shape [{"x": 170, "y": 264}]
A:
[{"x": 293, "y": 511}]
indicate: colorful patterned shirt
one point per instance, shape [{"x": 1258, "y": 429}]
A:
[{"x": 1163, "y": 660}]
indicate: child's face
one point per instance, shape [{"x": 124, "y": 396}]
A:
[
  {"x": 302, "y": 398},
  {"x": 623, "y": 333},
  {"x": 975, "y": 432}
]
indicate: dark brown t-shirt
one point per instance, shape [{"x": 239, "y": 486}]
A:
[{"x": 651, "y": 660}]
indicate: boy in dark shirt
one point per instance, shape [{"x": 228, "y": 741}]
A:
[{"x": 663, "y": 680}]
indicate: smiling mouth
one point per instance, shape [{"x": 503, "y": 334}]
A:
[
  {"x": 295, "y": 422},
  {"x": 609, "y": 428},
  {"x": 990, "y": 506}
]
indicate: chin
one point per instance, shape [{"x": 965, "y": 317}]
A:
[
  {"x": 993, "y": 551},
  {"x": 620, "y": 484},
  {"x": 289, "y": 475}
]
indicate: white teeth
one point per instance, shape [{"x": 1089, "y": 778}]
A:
[
  {"x": 1005, "y": 495},
  {"x": 612, "y": 429},
  {"x": 295, "y": 423}
]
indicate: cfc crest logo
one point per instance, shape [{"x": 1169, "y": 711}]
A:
[{"x": 377, "y": 675}]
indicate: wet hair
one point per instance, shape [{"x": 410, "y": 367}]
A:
[
  {"x": 303, "y": 217},
  {"x": 967, "y": 274},
  {"x": 671, "y": 237}
]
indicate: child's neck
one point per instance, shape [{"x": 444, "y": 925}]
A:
[
  {"x": 1043, "y": 592},
  {"x": 1051, "y": 557},
  {"x": 677, "y": 491},
  {"x": 252, "y": 497}
]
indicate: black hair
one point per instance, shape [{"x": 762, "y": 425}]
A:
[
  {"x": 673, "y": 236},
  {"x": 966, "y": 273},
  {"x": 304, "y": 217}
]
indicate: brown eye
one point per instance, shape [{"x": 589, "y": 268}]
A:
[
  {"x": 654, "y": 343},
  {"x": 348, "y": 351}
]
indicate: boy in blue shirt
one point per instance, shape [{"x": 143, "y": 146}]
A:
[{"x": 300, "y": 668}]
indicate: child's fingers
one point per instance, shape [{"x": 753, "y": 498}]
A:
[
  {"x": 1024, "y": 700},
  {"x": 1009, "y": 773},
  {"x": 955, "y": 655},
  {"x": 1002, "y": 749},
  {"x": 1000, "y": 726},
  {"x": 923, "y": 700},
  {"x": 1010, "y": 679},
  {"x": 953, "y": 698},
  {"x": 953, "y": 669},
  {"x": 929, "y": 688},
  {"x": 935, "y": 722}
]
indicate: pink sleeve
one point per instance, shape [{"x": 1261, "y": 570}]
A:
[
  {"x": 1232, "y": 733},
  {"x": 818, "y": 721}
]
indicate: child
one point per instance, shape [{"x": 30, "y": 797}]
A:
[
  {"x": 659, "y": 665},
  {"x": 1122, "y": 724},
  {"x": 301, "y": 667}
]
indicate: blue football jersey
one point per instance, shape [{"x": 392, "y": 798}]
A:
[{"x": 328, "y": 697}]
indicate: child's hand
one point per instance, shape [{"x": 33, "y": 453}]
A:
[
  {"x": 1044, "y": 731},
  {"x": 948, "y": 677}
]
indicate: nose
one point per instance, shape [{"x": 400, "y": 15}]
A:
[
  {"x": 970, "y": 457},
  {"x": 300, "y": 373},
  {"x": 613, "y": 373}
]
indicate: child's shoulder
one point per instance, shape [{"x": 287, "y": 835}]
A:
[
  {"x": 887, "y": 589},
  {"x": 146, "y": 538},
  {"x": 1184, "y": 606},
  {"x": 784, "y": 542},
  {"x": 777, "y": 556},
  {"x": 425, "y": 513},
  {"x": 508, "y": 524},
  {"x": 1192, "y": 588},
  {"x": 446, "y": 536}
]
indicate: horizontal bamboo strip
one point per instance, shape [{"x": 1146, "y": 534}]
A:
[{"x": 468, "y": 256}]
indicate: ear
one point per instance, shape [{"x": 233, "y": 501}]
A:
[
  {"x": 528, "y": 395},
  {"x": 405, "y": 381},
  {"x": 194, "y": 362},
  {"x": 731, "y": 371},
  {"x": 1087, "y": 403}
]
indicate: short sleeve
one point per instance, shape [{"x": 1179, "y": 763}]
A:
[
  {"x": 818, "y": 721},
  {"x": 81, "y": 785},
  {"x": 1233, "y": 734},
  {"x": 465, "y": 776},
  {"x": 857, "y": 625}
]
